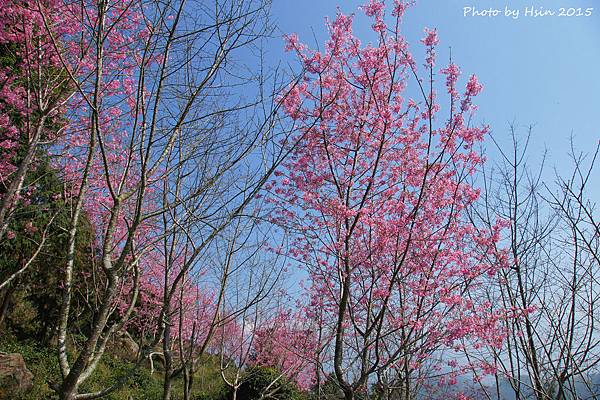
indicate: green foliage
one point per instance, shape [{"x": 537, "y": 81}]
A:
[
  {"x": 35, "y": 296},
  {"x": 330, "y": 389},
  {"x": 41, "y": 361},
  {"x": 221, "y": 394},
  {"x": 267, "y": 382},
  {"x": 141, "y": 385},
  {"x": 208, "y": 383}
]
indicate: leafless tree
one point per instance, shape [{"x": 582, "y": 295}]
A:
[
  {"x": 231, "y": 267},
  {"x": 551, "y": 287},
  {"x": 205, "y": 138}
]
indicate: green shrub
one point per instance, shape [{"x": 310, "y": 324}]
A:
[
  {"x": 139, "y": 386},
  {"x": 259, "y": 381},
  {"x": 41, "y": 361}
]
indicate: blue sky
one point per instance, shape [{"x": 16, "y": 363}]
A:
[{"x": 536, "y": 71}]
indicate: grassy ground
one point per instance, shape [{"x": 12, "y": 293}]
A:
[{"x": 43, "y": 363}]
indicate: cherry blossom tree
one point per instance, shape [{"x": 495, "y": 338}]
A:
[
  {"x": 287, "y": 343},
  {"x": 155, "y": 156},
  {"x": 266, "y": 336},
  {"x": 110, "y": 165},
  {"x": 376, "y": 196},
  {"x": 165, "y": 139},
  {"x": 34, "y": 90}
]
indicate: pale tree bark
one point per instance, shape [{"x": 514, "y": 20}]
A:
[{"x": 209, "y": 151}]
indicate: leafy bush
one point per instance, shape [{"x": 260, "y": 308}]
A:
[
  {"x": 43, "y": 363},
  {"x": 268, "y": 382},
  {"x": 39, "y": 360}
]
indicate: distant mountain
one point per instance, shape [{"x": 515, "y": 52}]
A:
[{"x": 591, "y": 391}]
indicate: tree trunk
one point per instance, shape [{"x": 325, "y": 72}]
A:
[
  {"x": 4, "y": 301},
  {"x": 167, "y": 386}
]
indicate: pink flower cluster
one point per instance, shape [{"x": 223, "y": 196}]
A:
[
  {"x": 287, "y": 343},
  {"x": 377, "y": 192}
]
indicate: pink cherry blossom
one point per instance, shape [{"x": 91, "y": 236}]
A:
[{"x": 376, "y": 194}]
